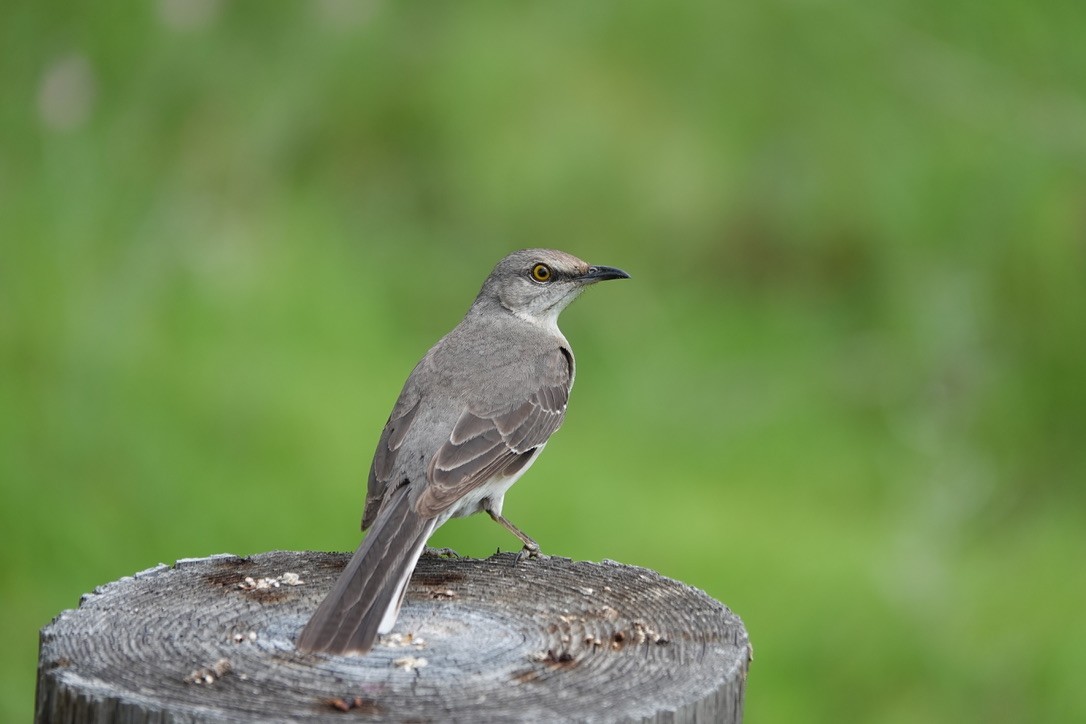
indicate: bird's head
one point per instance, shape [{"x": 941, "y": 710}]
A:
[{"x": 537, "y": 284}]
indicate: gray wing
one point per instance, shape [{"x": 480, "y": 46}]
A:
[
  {"x": 484, "y": 444},
  {"x": 384, "y": 458}
]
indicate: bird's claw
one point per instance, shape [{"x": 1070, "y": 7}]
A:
[
  {"x": 528, "y": 552},
  {"x": 441, "y": 552}
]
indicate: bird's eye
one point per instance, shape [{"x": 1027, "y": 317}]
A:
[{"x": 541, "y": 273}]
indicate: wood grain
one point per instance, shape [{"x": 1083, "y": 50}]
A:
[{"x": 545, "y": 639}]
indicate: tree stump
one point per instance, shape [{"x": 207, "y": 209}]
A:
[{"x": 546, "y": 639}]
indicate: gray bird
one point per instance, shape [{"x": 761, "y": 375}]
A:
[{"x": 471, "y": 419}]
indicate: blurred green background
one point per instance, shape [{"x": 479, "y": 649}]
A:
[{"x": 843, "y": 393}]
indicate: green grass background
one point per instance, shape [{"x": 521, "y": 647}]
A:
[{"x": 844, "y": 391}]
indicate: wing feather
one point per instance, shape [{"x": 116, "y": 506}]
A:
[
  {"x": 384, "y": 459},
  {"x": 483, "y": 445}
]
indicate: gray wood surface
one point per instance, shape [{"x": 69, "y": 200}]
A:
[{"x": 478, "y": 640}]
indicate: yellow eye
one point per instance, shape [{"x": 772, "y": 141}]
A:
[{"x": 541, "y": 273}]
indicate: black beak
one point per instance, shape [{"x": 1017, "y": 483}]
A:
[{"x": 602, "y": 273}]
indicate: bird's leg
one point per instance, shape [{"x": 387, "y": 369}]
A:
[{"x": 531, "y": 548}]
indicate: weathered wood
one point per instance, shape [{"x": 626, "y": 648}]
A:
[{"x": 478, "y": 640}]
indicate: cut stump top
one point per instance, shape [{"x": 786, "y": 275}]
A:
[{"x": 212, "y": 639}]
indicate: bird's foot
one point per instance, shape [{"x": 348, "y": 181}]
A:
[
  {"x": 529, "y": 551},
  {"x": 441, "y": 552}
]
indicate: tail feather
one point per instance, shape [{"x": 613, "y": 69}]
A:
[{"x": 367, "y": 596}]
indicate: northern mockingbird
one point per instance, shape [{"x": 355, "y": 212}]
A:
[{"x": 471, "y": 419}]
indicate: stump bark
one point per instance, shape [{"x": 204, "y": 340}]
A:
[{"x": 546, "y": 639}]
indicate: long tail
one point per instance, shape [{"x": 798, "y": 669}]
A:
[{"x": 366, "y": 599}]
